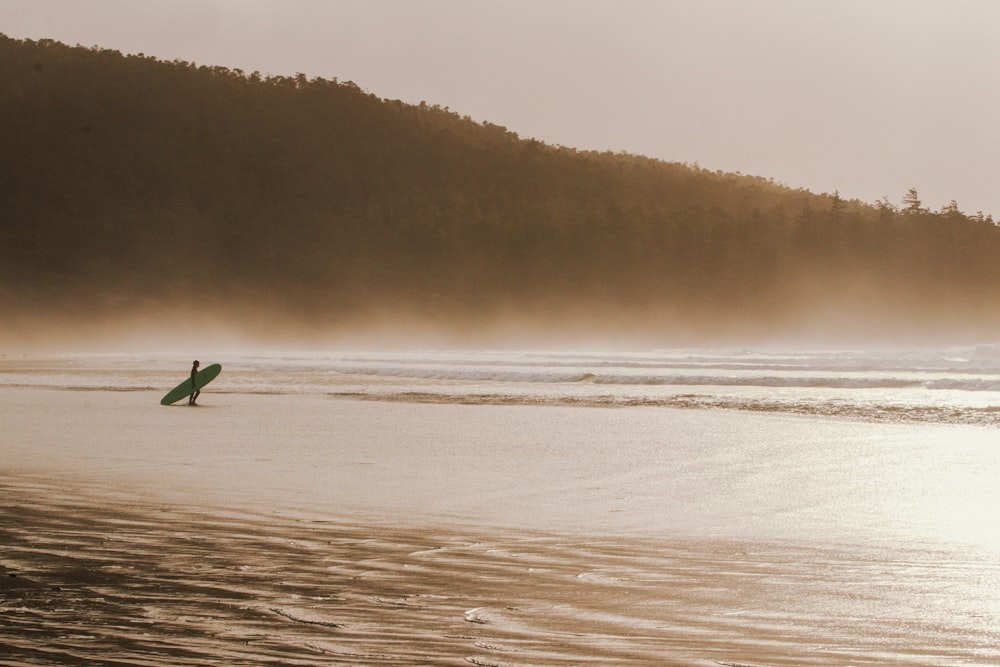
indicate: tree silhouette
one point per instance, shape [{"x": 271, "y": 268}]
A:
[
  {"x": 912, "y": 203},
  {"x": 132, "y": 185}
]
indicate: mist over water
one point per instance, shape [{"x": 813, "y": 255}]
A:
[{"x": 199, "y": 203}]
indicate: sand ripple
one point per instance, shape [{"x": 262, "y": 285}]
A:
[{"x": 88, "y": 578}]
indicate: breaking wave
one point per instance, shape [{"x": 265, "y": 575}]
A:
[
  {"x": 882, "y": 413},
  {"x": 954, "y": 386}
]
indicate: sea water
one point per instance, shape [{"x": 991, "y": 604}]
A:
[
  {"x": 952, "y": 386},
  {"x": 889, "y": 445},
  {"x": 844, "y": 498}
]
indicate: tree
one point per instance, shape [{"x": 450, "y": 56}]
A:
[
  {"x": 951, "y": 212},
  {"x": 912, "y": 203},
  {"x": 836, "y": 206}
]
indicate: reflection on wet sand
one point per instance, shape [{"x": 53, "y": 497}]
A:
[{"x": 90, "y": 576}]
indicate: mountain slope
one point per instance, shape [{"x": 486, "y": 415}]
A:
[{"x": 133, "y": 187}]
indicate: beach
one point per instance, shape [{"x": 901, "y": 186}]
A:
[
  {"x": 302, "y": 527},
  {"x": 118, "y": 581}
]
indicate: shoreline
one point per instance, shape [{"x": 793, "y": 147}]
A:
[
  {"x": 88, "y": 575},
  {"x": 632, "y": 472},
  {"x": 304, "y": 530},
  {"x": 84, "y": 577}
]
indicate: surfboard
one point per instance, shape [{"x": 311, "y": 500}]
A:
[{"x": 183, "y": 390}]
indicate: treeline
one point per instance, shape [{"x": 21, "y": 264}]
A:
[{"x": 130, "y": 185}]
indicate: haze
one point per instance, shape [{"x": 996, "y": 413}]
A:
[{"x": 865, "y": 98}]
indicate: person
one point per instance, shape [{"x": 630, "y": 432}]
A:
[{"x": 195, "y": 392}]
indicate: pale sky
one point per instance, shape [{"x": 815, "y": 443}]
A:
[{"x": 868, "y": 97}]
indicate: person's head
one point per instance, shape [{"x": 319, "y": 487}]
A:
[{"x": 196, "y": 363}]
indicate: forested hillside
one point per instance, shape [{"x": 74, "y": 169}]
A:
[{"x": 132, "y": 187}]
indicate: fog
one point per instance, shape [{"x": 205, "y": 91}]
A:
[
  {"x": 164, "y": 203},
  {"x": 192, "y": 331}
]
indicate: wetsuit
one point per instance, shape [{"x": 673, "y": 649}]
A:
[{"x": 195, "y": 393}]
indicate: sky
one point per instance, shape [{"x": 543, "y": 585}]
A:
[{"x": 865, "y": 97}]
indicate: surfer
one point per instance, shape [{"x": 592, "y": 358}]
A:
[{"x": 194, "y": 387}]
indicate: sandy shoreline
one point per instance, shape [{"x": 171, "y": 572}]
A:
[
  {"x": 636, "y": 471},
  {"x": 304, "y": 530},
  {"x": 93, "y": 577},
  {"x": 86, "y": 578}
]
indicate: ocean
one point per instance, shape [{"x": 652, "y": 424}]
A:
[
  {"x": 688, "y": 507},
  {"x": 950, "y": 386}
]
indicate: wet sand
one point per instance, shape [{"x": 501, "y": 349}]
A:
[
  {"x": 114, "y": 550},
  {"x": 91, "y": 578},
  {"x": 88, "y": 577}
]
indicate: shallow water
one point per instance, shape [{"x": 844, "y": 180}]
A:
[
  {"x": 539, "y": 529},
  {"x": 949, "y": 386}
]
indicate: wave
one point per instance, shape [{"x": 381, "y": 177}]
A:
[
  {"x": 954, "y": 366},
  {"x": 79, "y": 387},
  {"x": 762, "y": 381},
  {"x": 847, "y": 380},
  {"x": 880, "y": 413},
  {"x": 936, "y": 387}
]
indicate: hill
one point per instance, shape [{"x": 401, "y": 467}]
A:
[{"x": 134, "y": 188}]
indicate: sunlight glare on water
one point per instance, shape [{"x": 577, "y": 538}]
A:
[{"x": 801, "y": 505}]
